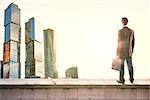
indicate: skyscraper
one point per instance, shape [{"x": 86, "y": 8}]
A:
[
  {"x": 49, "y": 54},
  {"x": 33, "y": 65},
  {"x": 72, "y": 72},
  {"x": 1, "y": 69},
  {"x": 12, "y": 39}
]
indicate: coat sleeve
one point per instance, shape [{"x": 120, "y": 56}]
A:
[
  {"x": 133, "y": 42},
  {"x": 118, "y": 47}
]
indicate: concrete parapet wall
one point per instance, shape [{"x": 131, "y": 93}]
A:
[{"x": 45, "y": 89}]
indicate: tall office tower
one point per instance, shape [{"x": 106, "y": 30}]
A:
[
  {"x": 72, "y": 72},
  {"x": 12, "y": 40},
  {"x": 49, "y": 54},
  {"x": 1, "y": 69},
  {"x": 33, "y": 65}
]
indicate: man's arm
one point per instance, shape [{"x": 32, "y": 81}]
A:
[
  {"x": 118, "y": 45},
  {"x": 133, "y": 42}
]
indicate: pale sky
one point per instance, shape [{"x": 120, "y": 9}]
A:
[{"x": 86, "y": 33}]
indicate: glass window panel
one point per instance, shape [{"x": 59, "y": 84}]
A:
[
  {"x": 32, "y": 70},
  {"x": 15, "y": 15},
  {"x": 29, "y": 53},
  {"x": 7, "y": 33},
  {"x": 38, "y": 51},
  {"x": 6, "y": 56},
  {"x": 15, "y": 29},
  {"x": 7, "y": 16},
  {"x": 5, "y": 71},
  {"x": 14, "y": 58},
  {"x": 14, "y": 70},
  {"x": 32, "y": 29}
]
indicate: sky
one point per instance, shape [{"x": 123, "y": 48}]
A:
[{"x": 86, "y": 33}]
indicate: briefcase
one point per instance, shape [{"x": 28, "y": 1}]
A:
[{"x": 116, "y": 64}]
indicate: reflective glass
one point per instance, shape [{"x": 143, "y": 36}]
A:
[
  {"x": 14, "y": 70},
  {"x": 38, "y": 50},
  {"x": 14, "y": 32},
  {"x": 5, "y": 70},
  {"x": 7, "y": 33}
]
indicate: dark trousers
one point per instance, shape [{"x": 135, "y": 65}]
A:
[{"x": 130, "y": 68}]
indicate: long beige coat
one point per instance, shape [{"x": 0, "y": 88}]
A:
[{"x": 125, "y": 37}]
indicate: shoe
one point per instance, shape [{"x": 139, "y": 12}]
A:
[
  {"x": 131, "y": 80},
  {"x": 121, "y": 81}
]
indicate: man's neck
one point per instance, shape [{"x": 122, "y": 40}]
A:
[{"x": 125, "y": 26}]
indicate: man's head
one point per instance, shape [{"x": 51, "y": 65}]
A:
[{"x": 124, "y": 20}]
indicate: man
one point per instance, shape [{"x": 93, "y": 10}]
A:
[{"x": 125, "y": 49}]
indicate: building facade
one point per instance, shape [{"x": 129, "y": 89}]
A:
[
  {"x": 33, "y": 64},
  {"x": 50, "y": 54},
  {"x": 12, "y": 40}
]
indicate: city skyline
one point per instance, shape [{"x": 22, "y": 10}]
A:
[{"x": 86, "y": 34}]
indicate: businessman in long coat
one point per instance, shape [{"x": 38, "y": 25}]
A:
[{"x": 125, "y": 49}]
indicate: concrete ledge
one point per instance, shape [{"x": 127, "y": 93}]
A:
[
  {"x": 74, "y": 86},
  {"x": 71, "y": 83},
  {"x": 73, "y": 89},
  {"x": 26, "y": 82}
]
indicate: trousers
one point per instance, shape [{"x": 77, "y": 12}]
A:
[{"x": 130, "y": 68}]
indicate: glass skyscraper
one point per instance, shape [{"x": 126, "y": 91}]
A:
[
  {"x": 72, "y": 72},
  {"x": 49, "y": 54},
  {"x": 12, "y": 39},
  {"x": 1, "y": 69},
  {"x": 34, "y": 64}
]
